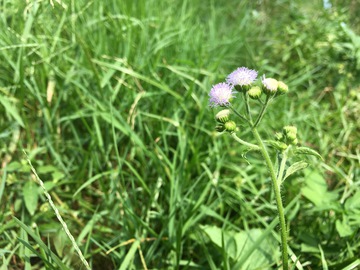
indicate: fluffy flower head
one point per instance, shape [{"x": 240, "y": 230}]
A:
[
  {"x": 242, "y": 76},
  {"x": 220, "y": 94}
]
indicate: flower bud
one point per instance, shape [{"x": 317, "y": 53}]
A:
[
  {"x": 294, "y": 142},
  {"x": 279, "y": 136},
  {"x": 290, "y": 133},
  {"x": 223, "y": 116},
  {"x": 230, "y": 126},
  {"x": 270, "y": 85},
  {"x": 220, "y": 128},
  {"x": 282, "y": 88},
  {"x": 254, "y": 92}
]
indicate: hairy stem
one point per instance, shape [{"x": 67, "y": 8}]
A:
[{"x": 277, "y": 192}]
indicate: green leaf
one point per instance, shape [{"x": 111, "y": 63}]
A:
[
  {"x": 11, "y": 109},
  {"x": 315, "y": 190},
  {"x": 60, "y": 241},
  {"x": 297, "y": 166},
  {"x": 277, "y": 145},
  {"x": 41, "y": 244},
  {"x": 31, "y": 196},
  {"x": 353, "y": 203},
  {"x": 236, "y": 244},
  {"x": 307, "y": 151},
  {"x": 343, "y": 227},
  {"x": 130, "y": 255}
]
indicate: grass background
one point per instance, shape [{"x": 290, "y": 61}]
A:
[{"x": 110, "y": 101}]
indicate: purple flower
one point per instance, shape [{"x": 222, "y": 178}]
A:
[
  {"x": 242, "y": 76},
  {"x": 220, "y": 94}
]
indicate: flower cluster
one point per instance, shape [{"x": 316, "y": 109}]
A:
[{"x": 242, "y": 80}]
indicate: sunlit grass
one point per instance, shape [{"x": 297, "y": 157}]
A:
[{"x": 110, "y": 101}]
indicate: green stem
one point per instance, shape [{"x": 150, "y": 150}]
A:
[
  {"x": 262, "y": 112},
  {"x": 250, "y": 145},
  {"x": 65, "y": 227},
  {"x": 240, "y": 115},
  {"x": 277, "y": 192},
  {"x": 247, "y": 106},
  {"x": 282, "y": 168}
]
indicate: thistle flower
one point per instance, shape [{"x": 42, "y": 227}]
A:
[
  {"x": 270, "y": 85},
  {"x": 220, "y": 95},
  {"x": 242, "y": 78}
]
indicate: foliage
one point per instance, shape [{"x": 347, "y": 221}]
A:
[{"x": 110, "y": 101}]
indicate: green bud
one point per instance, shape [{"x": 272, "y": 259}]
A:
[
  {"x": 230, "y": 126},
  {"x": 277, "y": 145},
  {"x": 220, "y": 128},
  {"x": 279, "y": 136},
  {"x": 295, "y": 142},
  {"x": 290, "y": 134},
  {"x": 242, "y": 88},
  {"x": 282, "y": 88},
  {"x": 289, "y": 129},
  {"x": 254, "y": 92},
  {"x": 223, "y": 116}
]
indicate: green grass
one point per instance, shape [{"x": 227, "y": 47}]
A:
[{"x": 126, "y": 144}]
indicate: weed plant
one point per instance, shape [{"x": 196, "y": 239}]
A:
[{"x": 109, "y": 99}]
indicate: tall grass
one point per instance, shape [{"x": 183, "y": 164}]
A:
[{"x": 110, "y": 100}]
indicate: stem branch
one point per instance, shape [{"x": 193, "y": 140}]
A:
[
  {"x": 257, "y": 122},
  {"x": 250, "y": 145}
]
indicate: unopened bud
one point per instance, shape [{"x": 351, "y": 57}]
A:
[
  {"x": 220, "y": 128},
  {"x": 290, "y": 133},
  {"x": 282, "y": 88},
  {"x": 279, "y": 136},
  {"x": 223, "y": 116},
  {"x": 230, "y": 126},
  {"x": 254, "y": 92}
]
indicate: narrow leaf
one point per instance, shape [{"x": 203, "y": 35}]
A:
[
  {"x": 41, "y": 244},
  {"x": 12, "y": 110}
]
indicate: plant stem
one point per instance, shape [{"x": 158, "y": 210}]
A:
[
  {"x": 247, "y": 106},
  {"x": 250, "y": 145},
  {"x": 65, "y": 227},
  {"x": 277, "y": 192},
  {"x": 257, "y": 122},
  {"x": 240, "y": 115},
  {"x": 282, "y": 168}
]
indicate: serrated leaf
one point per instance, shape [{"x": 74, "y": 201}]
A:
[
  {"x": 307, "y": 151},
  {"x": 297, "y": 166},
  {"x": 31, "y": 196}
]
